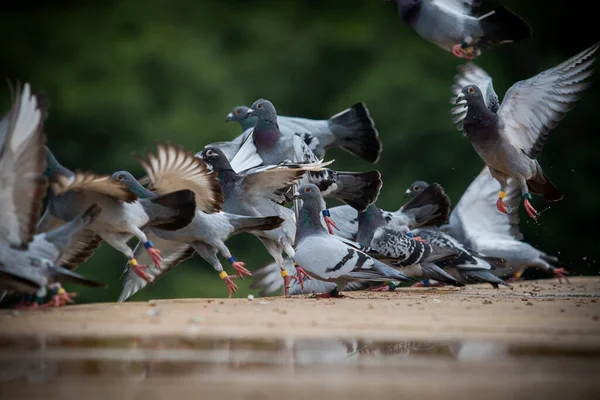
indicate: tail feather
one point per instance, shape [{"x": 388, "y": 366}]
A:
[
  {"x": 357, "y": 189},
  {"x": 64, "y": 275},
  {"x": 483, "y": 276},
  {"x": 171, "y": 211},
  {"x": 432, "y": 271},
  {"x": 355, "y": 132},
  {"x": 245, "y": 224},
  {"x": 552, "y": 260},
  {"x": 502, "y": 25},
  {"x": 495, "y": 262},
  {"x": 544, "y": 187},
  {"x": 430, "y": 207}
]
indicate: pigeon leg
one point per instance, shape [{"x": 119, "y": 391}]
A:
[
  {"x": 463, "y": 49},
  {"x": 528, "y": 207},
  {"x": 140, "y": 270},
  {"x": 516, "y": 276},
  {"x": 154, "y": 253},
  {"x": 231, "y": 287},
  {"x": 428, "y": 283},
  {"x": 239, "y": 267},
  {"x": 301, "y": 274},
  {"x": 287, "y": 279},
  {"x": 560, "y": 274},
  {"x": 500, "y": 204},
  {"x": 386, "y": 287},
  {"x": 328, "y": 295},
  {"x": 329, "y": 222},
  {"x": 60, "y": 297}
]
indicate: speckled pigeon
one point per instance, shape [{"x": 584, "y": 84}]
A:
[
  {"x": 330, "y": 258},
  {"x": 352, "y": 130},
  {"x": 268, "y": 146},
  {"x": 474, "y": 224},
  {"x": 205, "y": 235},
  {"x": 259, "y": 192},
  {"x": 510, "y": 141},
  {"x": 123, "y": 214},
  {"x": 459, "y": 26},
  {"x": 431, "y": 207}
]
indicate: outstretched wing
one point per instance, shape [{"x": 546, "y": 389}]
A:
[{"x": 89, "y": 181}]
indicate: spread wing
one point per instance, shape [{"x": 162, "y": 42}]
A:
[
  {"x": 22, "y": 163},
  {"x": 174, "y": 168},
  {"x": 82, "y": 181},
  {"x": 531, "y": 108},
  {"x": 471, "y": 74}
]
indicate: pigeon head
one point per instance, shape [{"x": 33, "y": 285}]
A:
[
  {"x": 309, "y": 193},
  {"x": 263, "y": 110},
  {"x": 415, "y": 188},
  {"x": 469, "y": 94},
  {"x": 238, "y": 115},
  {"x": 132, "y": 184},
  {"x": 214, "y": 158}
]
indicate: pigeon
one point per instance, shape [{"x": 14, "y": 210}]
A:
[
  {"x": 431, "y": 207},
  {"x": 408, "y": 253},
  {"x": 205, "y": 235},
  {"x": 352, "y": 130},
  {"x": 28, "y": 262},
  {"x": 258, "y": 192},
  {"x": 459, "y": 26},
  {"x": 473, "y": 224},
  {"x": 268, "y": 146},
  {"x": 510, "y": 140},
  {"x": 123, "y": 213},
  {"x": 327, "y": 257}
]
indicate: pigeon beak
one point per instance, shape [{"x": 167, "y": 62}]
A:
[
  {"x": 229, "y": 117},
  {"x": 296, "y": 196},
  {"x": 460, "y": 99},
  {"x": 249, "y": 113},
  {"x": 407, "y": 193}
]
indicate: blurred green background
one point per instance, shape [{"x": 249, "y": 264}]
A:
[{"x": 122, "y": 75}]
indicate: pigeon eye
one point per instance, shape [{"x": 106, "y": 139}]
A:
[
  {"x": 416, "y": 188},
  {"x": 120, "y": 177},
  {"x": 238, "y": 111},
  {"x": 471, "y": 90},
  {"x": 259, "y": 105},
  {"x": 210, "y": 153},
  {"x": 307, "y": 190}
]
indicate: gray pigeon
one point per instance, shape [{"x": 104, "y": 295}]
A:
[
  {"x": 459, "y": 26},
  {"x": 330, "y": 258},
  {"x": 123, "y": 214},
  {"x": 510, "y": 141},
  {"x": 259, "y": 192},
  {"x": 431, "y": 207},
  {"x": 268, "y": 146},
  {"x": 474, "y": 224},
  {"x": 28, "y": 261},
  {"x": 206, "y": 235},
  {"x": 352, "y": 130}
]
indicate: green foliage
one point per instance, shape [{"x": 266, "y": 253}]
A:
[{"x": 122, "y": 75}]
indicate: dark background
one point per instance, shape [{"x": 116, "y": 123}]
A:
[{"x": 123, "y": 74}]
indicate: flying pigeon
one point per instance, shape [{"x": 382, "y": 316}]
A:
[
  {"x": 28, "y": 262},
  {"x": 205, "y": 235},
  {"x": 352, "y": 130},
  {"x": 123, "y": 213},
  {"x": 327, "y": 257},
  {"x": 510, "y": 140},
  {"x": 259, "y": 192},
  {"x": 474, "y": 224},
  {"x": 459, "y": 26},
  {"x": 268, "y": 146},
  {"x": 431, "y": 207}
]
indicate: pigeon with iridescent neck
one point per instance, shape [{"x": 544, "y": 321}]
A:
[
  {"x": 352, "y": 130},
  {"x": 458, "y": 25},
  {"x": 269, "y": 146},
  {"x": 511, "y": 140},
  {"x": 330, "y": 258}
]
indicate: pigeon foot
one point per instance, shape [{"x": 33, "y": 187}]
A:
[
  {"x": 155, "y": 255},
  {"x": 427, "y": 283},
  {"x": 530, "y": 210},
  {"x": 333, "y": 294},
  {"x": 286, "y": 282},
  {"x": 231, "y": 287},
  {"x": 386, "y": 287},
  {"x": 501, "y": 205},
  {"x": 301, "y": 274},
  {"x": 140, "y": 270},
  {"x": 330, "y": 224},
  {"x": 240, "y": 269},
  {"x": 561, "y": 273},
  {"x": 61, "y": 298}
]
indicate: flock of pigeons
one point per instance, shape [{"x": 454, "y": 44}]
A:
[{"x": 190, "y": 203}]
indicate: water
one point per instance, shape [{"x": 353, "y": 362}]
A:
[{"x": 159, "y": 368}]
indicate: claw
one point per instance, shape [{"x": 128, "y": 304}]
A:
[
  {"x": 530, "y": 210},
  {"x": 329, "y": 223},
  {"x": 60, "y": 299},
  {"x": 501, "y": 205},
  {"x": 156, "y": 257},
  {"x": 231, "y": 287},
  {"x": 458, "y": 51},
  {"x": 140, "y": 271},
  {"x": 300, "y": 272},
  {"x": 241, "y": 270},
  {"x": 560, "y": 274}
]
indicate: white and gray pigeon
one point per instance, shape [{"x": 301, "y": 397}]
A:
[
  {"x": 269, "y": 146},
  {"x": 352, "y": 130},
  {"x": 431, "y": 207},
  {"x": 28, "y": 262},
  {"x": 259, "y": 192},
  {"x": 123, "y": 213},
  {"x": 205, "y": 235},
  {"x": 510, "y": 140},
  {"x": 329, "y": 258},
  {"x": 460, "y": 27},
  {"x": 474, "y": 224}
]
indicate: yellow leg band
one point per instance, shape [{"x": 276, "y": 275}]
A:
[
  {"x": 502, "y": 195},
  {"x": 133, "y": 262},
  {"x": 223, "y": 275},
  {"x": 62, "y": 291},
  {"x": 284, "y": 273}
]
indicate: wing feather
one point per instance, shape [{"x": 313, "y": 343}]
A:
[{"x": 89, "y": 181}]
